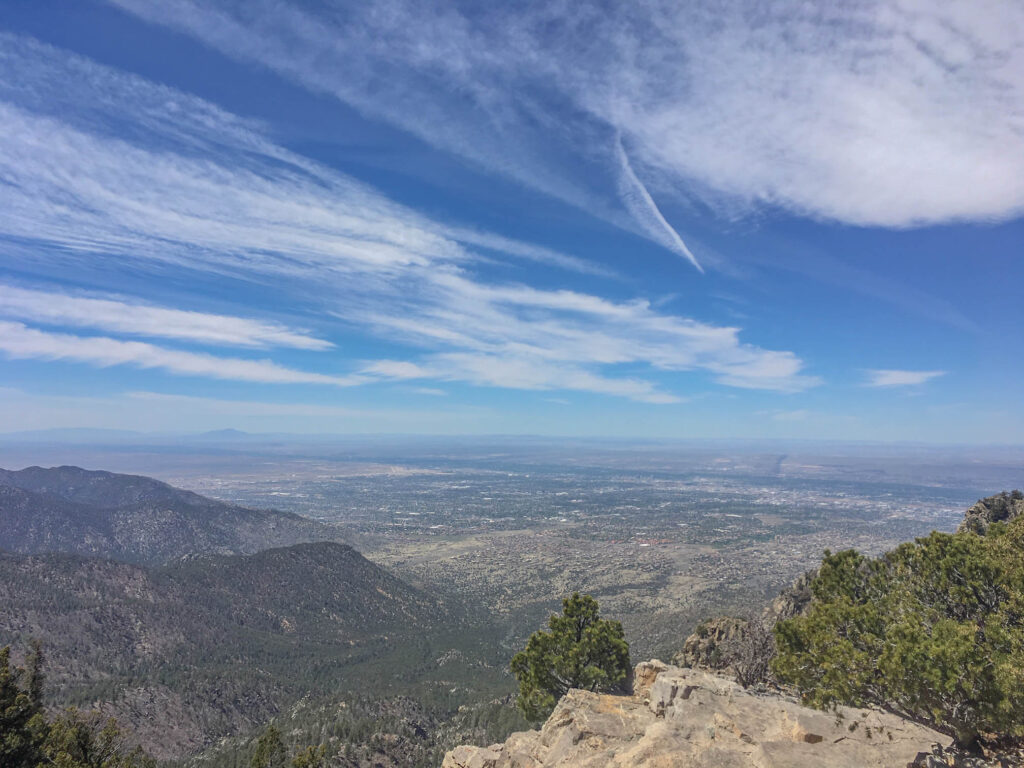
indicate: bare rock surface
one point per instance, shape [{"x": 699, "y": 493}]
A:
[
  {"x": 792, "y": 601},
  {"x": 708, "y": 646},
  {"x": 1000, "y": 508},
  {"x": 687, "y": 718},
  {"x": 713, "y": 642}
]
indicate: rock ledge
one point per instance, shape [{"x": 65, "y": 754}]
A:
[{"x": 687, "y": 718}]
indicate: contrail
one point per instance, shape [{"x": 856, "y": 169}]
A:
[{"x": 643, "y": 208}]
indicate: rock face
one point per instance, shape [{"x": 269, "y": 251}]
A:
[
  {"x": 995, "y": 509},
  {"x": 713, "y": 641},
  {"x": 708, "y": 646},
  {"x": 792, "y": 601},
  {"x": 686, "y": 718}
]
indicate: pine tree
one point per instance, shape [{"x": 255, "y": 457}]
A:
[
  {"x": 270, "y": 750},
  {"x": 310, "y": 757},
  {"x": 90, "y": 740},
  {"x": 580, "y": 650},
  {"x": 22, "y": 726},
  {"x": 932, "y": 631},
  {"x": 71, "y": 740}
]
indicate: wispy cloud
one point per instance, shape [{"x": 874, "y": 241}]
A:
[
  {"x": 887, "y": 112},
  {"x": 894, "y": 378},
  {"x": 138, "y": 319},
  {"x": 641, "y": 206},
  {"x": 21, "y": 342},
  {"x": 83, "y": 145},
  {"x": 536, "y": 338}
]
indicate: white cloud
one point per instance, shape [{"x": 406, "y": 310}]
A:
[
  {"x": 20, "y": 342},
  {"x": 531, "y": 373},
  {"x": 538, "y": 338},
  {"x": 432, "y": 391},
  {"x": 885, "y": 112},
  {"x": 644, "y": 210},
  {"x": 395, "y": 369},
  {"x": 893, "y": 378},
  {"x": 83, "y": 145},
  {"x": 138, "y": 319}
]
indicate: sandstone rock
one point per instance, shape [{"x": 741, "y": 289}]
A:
[
  {"x": 472, "y": 757},
  {"x": 645, "y": 674},
  {"x": 686, "y": 718}
]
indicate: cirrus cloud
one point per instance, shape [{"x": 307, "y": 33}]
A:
[
  {"x": 897, "y": 378},
  {"x": 139, "y": 319},
  {"x": 888, "y": 113},
  {"x": 82, "y": 147},
  {"x": 18, "y": 341}
]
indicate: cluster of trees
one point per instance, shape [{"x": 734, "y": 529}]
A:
[
  {"x": 271, "y": 752},
  {"x": 932, "y": 631},
  {"x": 73, "y": 739}
]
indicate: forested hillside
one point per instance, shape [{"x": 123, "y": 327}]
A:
[{"x": 214, "y": 645}]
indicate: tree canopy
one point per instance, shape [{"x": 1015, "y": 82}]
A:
[
  {"x": 71, "y": 740},
  {"x": 579, "y": 650},
  {"x": 270, "y": 750},
  {"x": 932, "y": 631}
]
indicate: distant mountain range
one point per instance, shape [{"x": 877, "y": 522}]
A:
[{"x": 132, "y": 518}]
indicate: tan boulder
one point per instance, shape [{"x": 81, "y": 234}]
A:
[{"x": 645, "y": 674}]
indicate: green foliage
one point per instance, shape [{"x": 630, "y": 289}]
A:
[
  {"x": 310, "y": 757},
  {"x": 23, "y": 729},
  {"x": 90, "y": 740},
  {"x": 270, "y": 751},
  {"x": 72, "y": 740},
  {"x": 932, "y": 631},
  {"x": 580, "y": 650}
]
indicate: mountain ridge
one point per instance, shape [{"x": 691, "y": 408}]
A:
[
  {"x": 210, "y": 645},
  {"x": 134, "y": 518}
]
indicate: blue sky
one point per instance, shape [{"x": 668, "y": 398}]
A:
[{"x": 724, "y": 220}]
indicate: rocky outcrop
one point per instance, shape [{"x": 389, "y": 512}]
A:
[
  {"x": 709, "y": 645},
  {"x": 1000, "y": 508},
  {"x": 715, "y": 641},
  {"x": 686, "y": 718},
  {"x": 792, "y": 601}
]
